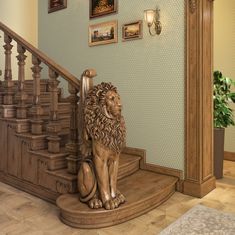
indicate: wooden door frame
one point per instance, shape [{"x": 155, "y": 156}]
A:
[{"x": 199, "y": 178}]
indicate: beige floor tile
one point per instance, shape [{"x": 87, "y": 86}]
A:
[{"x": 23, "y": 214}]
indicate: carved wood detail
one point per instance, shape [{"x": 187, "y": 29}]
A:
[
  {"x": 54, "y": 126},
  {"x": 36, "y": 110},
  {"x": 21, "y": 96},
  {"x": 193, "y": 5},
  {"x": 199, "y": 105},
  {"x": 76, "y": 122},
  {"x": 29, "y": 164},
  {"x": 3, "y": 146},
  {"x": 72, "y": 146},
  {"x": 8, "y": 83},
  {"x": 62, "y": 187}
]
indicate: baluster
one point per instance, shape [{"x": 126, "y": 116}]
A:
[
  {"x": 21, "y": 111},
  {"x": 36, "y": 110},
  {"x": 72, "y": 146},
  {"x": 8, "y": 83},
  {"x": 54, "y": 126}
]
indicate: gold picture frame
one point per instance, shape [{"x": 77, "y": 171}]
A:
[
  {"x": 103, "y": 33},
  {"x": 132, "y": 30},
  {"x": 102, "y": 7},
  {"x": 56, "y": 5}
]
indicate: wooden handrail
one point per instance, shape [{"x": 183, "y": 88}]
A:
[
  {"x": 40, "y": 55},
  {"x": 36, "y": 110}
]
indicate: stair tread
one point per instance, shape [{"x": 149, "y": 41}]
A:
[
  {"x": 124, "y": 161},
  {"x": 143, "y": 190}
]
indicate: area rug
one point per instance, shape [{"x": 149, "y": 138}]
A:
[{"x": 202, "y": 220}]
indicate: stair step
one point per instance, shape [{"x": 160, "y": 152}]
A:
[
  {"x": 143, "y": 190},
  {"x": 128, "y": 164},
  {"x": 45, "y": 97},
  {"x": 55, "y": 161},
  {"x": 63, "y": 108},
  {"x": 63, "y": 182},
  {"x": 28, "y": 89},
  {"x": 28, "y": 85},
  {"x": 36, "y": 142}
]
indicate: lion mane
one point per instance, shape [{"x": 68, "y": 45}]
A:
[{"x": 110, "y": 132}]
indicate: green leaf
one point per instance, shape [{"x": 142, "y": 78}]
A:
[{"x": 222, "y": 96}]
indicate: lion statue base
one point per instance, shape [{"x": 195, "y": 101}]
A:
[{"x": 103, "y": 138}]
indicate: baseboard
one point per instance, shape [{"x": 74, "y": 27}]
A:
[
  {"x": 156, "y": 168},
  {"x": 199, "y": 190},
  {"x": 27, "y": 187},
  {"x": 230, "y": 156}
]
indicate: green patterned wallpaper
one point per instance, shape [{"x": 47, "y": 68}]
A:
[{"x": 149, "y": 72}]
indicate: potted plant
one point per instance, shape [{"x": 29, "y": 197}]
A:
[{"x": 223, "y": 117}]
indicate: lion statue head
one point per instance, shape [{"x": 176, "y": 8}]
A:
[{"x": 102, "y": 117}]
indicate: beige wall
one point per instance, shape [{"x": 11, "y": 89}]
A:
[
  {"x": 22, "y": 17},
  {"x": 224, "y": 51},
  {"x": 149, "y": 73}
]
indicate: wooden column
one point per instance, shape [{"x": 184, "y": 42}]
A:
[
  {"x": 8, "y": 83},
  {"x": 199, "y": 179},
  {"x": 54, "y": 126},
  {"x": 21, "y": 96},
  {"x": 72, "y": 147},
  {"x": 36, "y": 110}
]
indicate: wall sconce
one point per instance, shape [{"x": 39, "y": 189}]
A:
[{"x": 152, "y": 18}]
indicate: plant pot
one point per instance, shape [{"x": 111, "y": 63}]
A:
[{"x": 218, "y": 152}]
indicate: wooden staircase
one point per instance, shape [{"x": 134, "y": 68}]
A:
[{"x": 39, "y": 144}]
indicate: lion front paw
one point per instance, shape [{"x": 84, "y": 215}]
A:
[
  {"x": 111, "y": 204},
  {"x": 120, "y": 197},
  {"x": 95, "y": 203}
]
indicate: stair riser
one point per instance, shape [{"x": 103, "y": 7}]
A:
[
  {"x": 124, "y": 171},
  {"x": 28, "y": 85},
  {"x": 143, "y": 191},
  {"x": 128, "y": 169}
]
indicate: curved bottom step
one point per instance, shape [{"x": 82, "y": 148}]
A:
[{"x": 143, "y": 190}]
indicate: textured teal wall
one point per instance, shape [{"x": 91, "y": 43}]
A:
[{"x": 149, "y": 73}]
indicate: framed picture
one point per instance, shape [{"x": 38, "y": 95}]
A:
[
  {"x": 55, "y": 5},
  {"x": 102, "y": 7},
  {"x": 133, "y": 30},
  {"x": 103, "y": 33}
]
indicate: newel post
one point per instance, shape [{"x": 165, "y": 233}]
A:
[
  {"x": 54, "y": 126},
  {"x": 72, "y": 146},
  {"x": 76, "y": 121}
]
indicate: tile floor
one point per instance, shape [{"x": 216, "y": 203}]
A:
[{"x": 23, "y": 214}]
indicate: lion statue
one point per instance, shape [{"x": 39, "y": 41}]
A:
[{"x": 103, "y": 137}]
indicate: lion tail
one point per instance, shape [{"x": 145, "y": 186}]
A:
[{"x": 87, "y": 184}]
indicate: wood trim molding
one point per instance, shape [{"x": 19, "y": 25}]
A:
[
  {"x": 199, "y": 179},
  {"x": 229, "y": 156},
  {"x": 197, "y": 189}
]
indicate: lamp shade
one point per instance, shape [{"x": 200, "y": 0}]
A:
[{"x": 149, "y": 16}]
